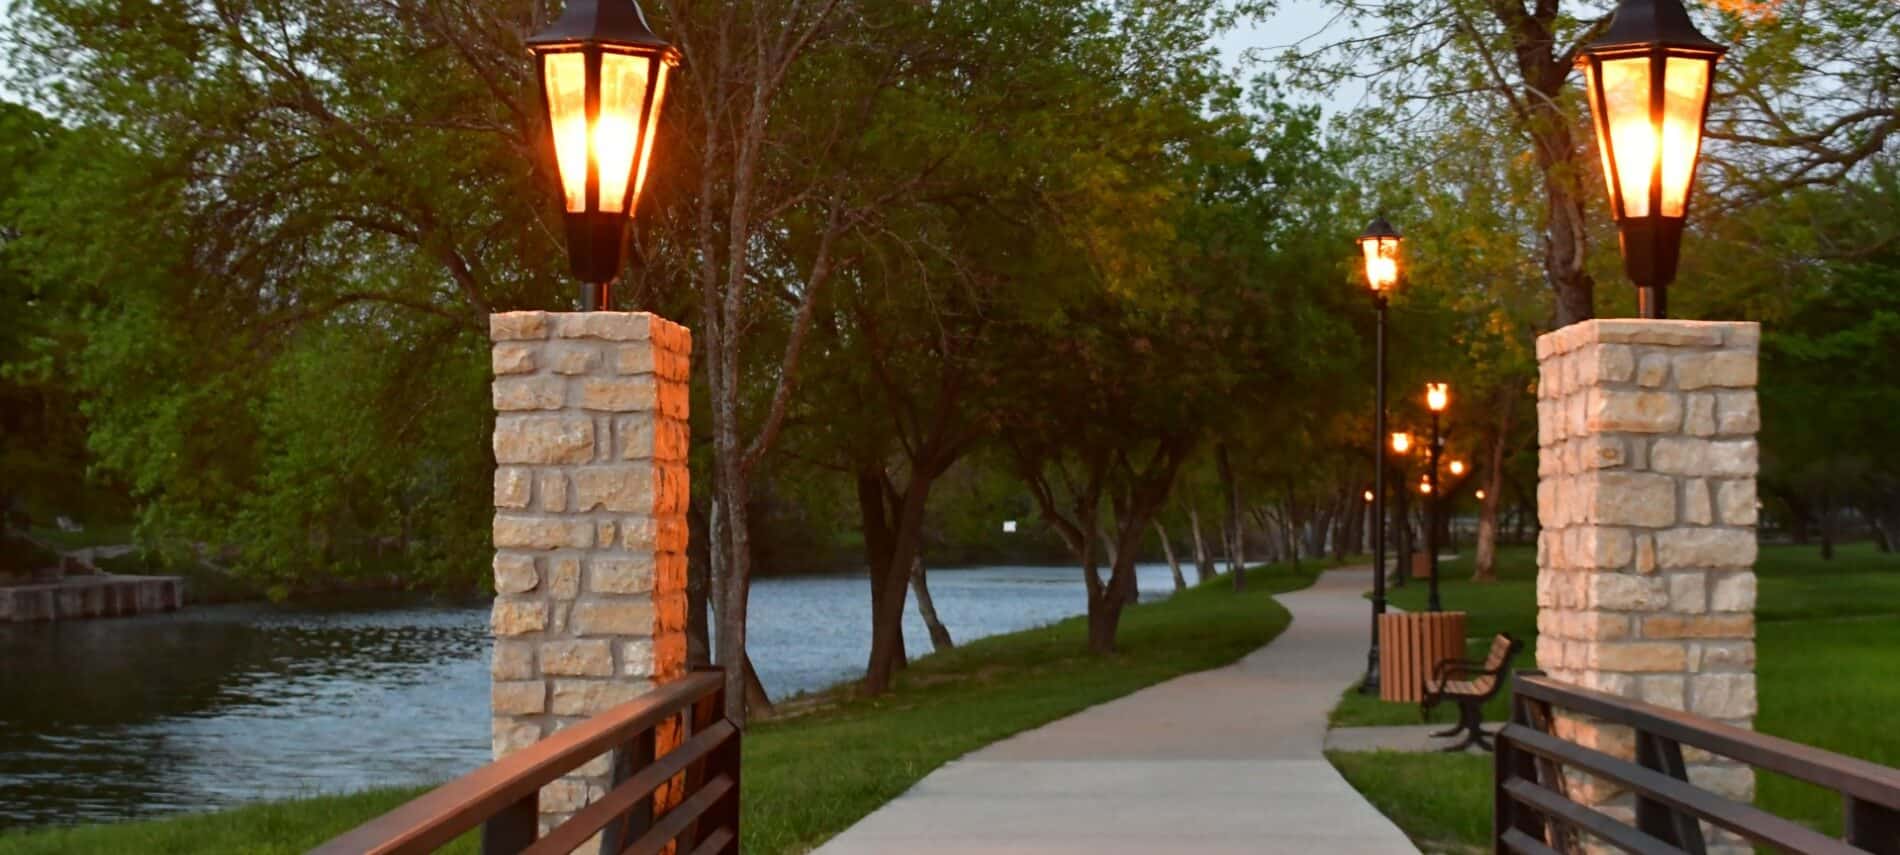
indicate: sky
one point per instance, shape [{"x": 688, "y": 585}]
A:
[{"x": 1294, "y": 21}]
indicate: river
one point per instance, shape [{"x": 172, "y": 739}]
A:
[{"x": 214, "y": 706}]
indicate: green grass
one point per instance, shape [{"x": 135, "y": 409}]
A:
[
  {"x": 1430, "y": 796},
  {"x": 1826, "y": 636},
  {"x": 810, "y": 776}
]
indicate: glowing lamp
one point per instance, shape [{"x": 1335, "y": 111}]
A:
[
  {"x": 1401, "y": 443},
  {"x": 602, "y": 77},
  {"x": 1380, "y": 246},
  {"x": 1437, "y": 397},
  {"x": 1368, "y": 496},
  {"x": 1480, "y": 495},
  {"x": 1425, "y": 486},
  {"x": 1457, "y": 467},
  {"x": 1648, "y": 81}
]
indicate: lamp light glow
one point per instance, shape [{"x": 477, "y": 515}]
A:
[
  {"x": 1401, "y": 443},
  {"x": 1437, "y": 397},
  {"x": 1379, "y": 245},
  {"x": 1457, "y": 467}
]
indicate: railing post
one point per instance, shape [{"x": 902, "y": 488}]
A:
[
  {"x": 1873, "y": 827},
  {"x": 629, "y": 759},
  {"x": 513, "y": 829},
  {"x": 1655, "y": 818}
]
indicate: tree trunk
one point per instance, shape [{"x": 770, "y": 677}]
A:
[
  {"x": 1167, "y": 549},
  {"x": 939, "y": 636},
  {"x": 1237, "y": 557},
  {"x": 1485, "y": 563},
  {"x": 698, "y": 587},
  {"x": 1203, "y": 563},
  {"x": 889, "y": 595}
]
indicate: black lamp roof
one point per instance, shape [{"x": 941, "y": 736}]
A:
[
  {"x": 613, "y": 22},
  {"x": 1379, "y": 228},
  {"x": 1652, "y": 23}
]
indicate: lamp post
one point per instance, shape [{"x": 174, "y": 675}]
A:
[
  {"x": 602, "y": 76},
  {"x": 1647, "y": 81},
  {"x": 1379, "y": 246},
  {"x": 1401, "y": 445},
  {"x": 1437, "y": 398}
]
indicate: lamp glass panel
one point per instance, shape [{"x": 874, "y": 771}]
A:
[
  {"x": 1632, "y": 133},
  {"x": 565, "y": 77},
  {"x": 623, "y": 92},
  {"x": 1685, "y": 88},
  {"x": 1382, "y": 262},
  {"x": 1603, "y": 145},
  {"x": 652, "y": 124}
]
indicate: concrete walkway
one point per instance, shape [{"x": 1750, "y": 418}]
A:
[{"x": 1221, "y": 761}]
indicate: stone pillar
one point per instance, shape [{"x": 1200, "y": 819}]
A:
[
  {"x": 1646, "y": 495},
  {"x": 590, "y": 523}
]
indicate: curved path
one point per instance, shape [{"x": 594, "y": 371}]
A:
[{"x": 1221, "y": 761}]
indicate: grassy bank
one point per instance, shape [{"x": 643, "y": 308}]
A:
[
  {"x": 808, "y": 777},
  {"x": 1824, "y": 630}
]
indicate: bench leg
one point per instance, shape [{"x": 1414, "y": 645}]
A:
[
  {"x": 1454, "y": 730},
  {"x": 1468, "y": 718}
]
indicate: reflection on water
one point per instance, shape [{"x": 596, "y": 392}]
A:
[{"x": 218, "y": 705}]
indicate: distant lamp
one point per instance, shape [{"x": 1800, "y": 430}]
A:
[
  {"x": 1437, "y": 397},
  {"x": 1368, "y": 497},
  {"x": 1380, "y": 246},
  {"x": 1458, "y": 467},
  {"x": 1480, "y": 495},
  {"x": 1425, "y": 486},
  {"x": 1648, "y": 81},
  {"x": 602, "y": 75},
  {"x": 1401, "y": 443}
]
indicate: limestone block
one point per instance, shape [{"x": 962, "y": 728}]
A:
[
  {"x": 1684, "y": 548},
  {"x": 620, "y": 394},
  {"x": 513, "y": 487},
  {"x": 518, "y": 326},
  {"x": 1633, "y": 498},
  {"x": 1637, "y": 656},
  {"x": 514, "y": 574},
  {"x": 568, "y": 358},
  {"x": 1720, "y": 458},
  {"x": 553, "y": 491},
  {"x": 1727, "y": 695},
  {"x": 1626, "y": 592},
  {"x": 512, "y": 359},
  {"x": 1722, "y": 656},
  {"x": 610, "y": 326},
  {"x": 636, "y": 657},
  {"x": 514, "y": 616},
  {"x": 1688, "y": 592},
  {"x": 577, "y": 658},
  {"x": 1727, "y": 368},
  {"x": 1701, "y": 417},
  {"x": 564, "y": 577},
  {"x": 616, "y": 488},
  {"x": 1599, "y": 547},
  {"x": 513, "y": 660},
  {"x": 519, "y": 697},
  {"x": 614, "y": 617},
  {"x": 620, "y": 575},
  {"x": 1653, "y": 372},
  {"x": 1696, "y": 508},
  {"x": 1664, "y": 690},
  {"x": 1634, "y": 411},
  {"x": 518, "y": 531},
  {"x": 565, "y": 795},
  {"x": 1735, "y": 500},
  {"x": 1646, "y": 553},
  {"x": 1741, "y": 625},
  {"x": 1603, "y": 452},
  {"x": 1733, "y": 592},
  {"x": 1737, "y": 412},
  {"x": 512, "y": 734},
  {"x": 529, "y": 393},
  {"x": 546, "y": 439},
  {"x": 586, "y": 697},
  {"x": 1670, "y": 333}
]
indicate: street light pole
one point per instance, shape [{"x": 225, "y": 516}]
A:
[
  {"x": 1371, "y": 684},
  {"x": 1379, "y": 244}
]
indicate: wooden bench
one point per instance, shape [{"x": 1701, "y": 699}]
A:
[{"x": 1470, "y": 684}]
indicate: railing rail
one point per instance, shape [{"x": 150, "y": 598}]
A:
[
  {"x": 1534, "y": 814},
  {"x": 503, "y": 797}
]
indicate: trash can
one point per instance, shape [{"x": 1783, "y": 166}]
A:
[{"x": 1411, "y": 644}]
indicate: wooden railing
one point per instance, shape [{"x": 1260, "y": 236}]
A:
[
  {"x": 503, "y": 797},
  {"x": 1533, "y": 814}
]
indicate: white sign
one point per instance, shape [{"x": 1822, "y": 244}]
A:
[{"x": 1009, "y": 526}]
